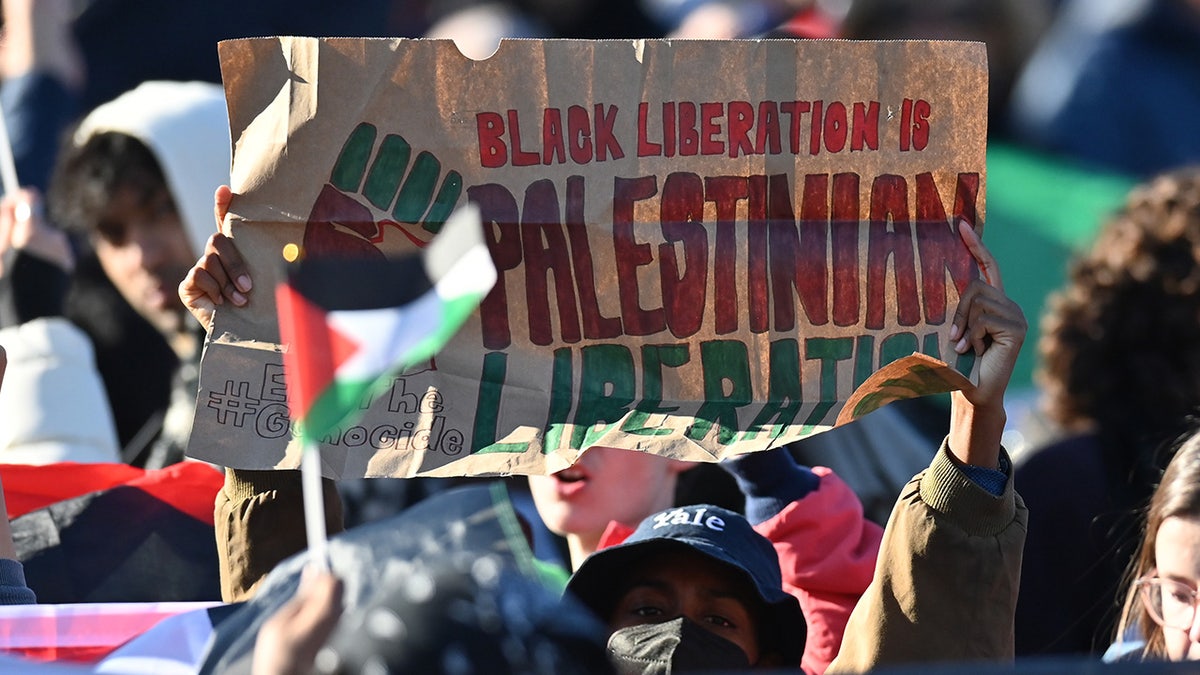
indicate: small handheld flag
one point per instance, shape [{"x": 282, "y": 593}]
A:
[{"x": 350, "y": 325}]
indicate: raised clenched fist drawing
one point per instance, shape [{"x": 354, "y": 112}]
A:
[{"x": 385, "y": 175}]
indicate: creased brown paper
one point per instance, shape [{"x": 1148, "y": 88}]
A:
[{"x": 703, "y": 247}]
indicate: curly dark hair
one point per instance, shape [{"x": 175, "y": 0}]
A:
[
  {"x": 1120, "y": 346},
  {"x": 87, "y": 176}
]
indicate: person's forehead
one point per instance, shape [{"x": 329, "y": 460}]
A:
[
  {"x": 133, "y": 202},
  {"x": 1177, "y": 548},
  {"x": 139, "y": 192},
  {"x": 677, "y": 567}
]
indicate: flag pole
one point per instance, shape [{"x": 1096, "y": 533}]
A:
[
  {"x": 459, "y": 272},
  {"x": 314, "y": 505},
  {"x": 311, "y": 492}
]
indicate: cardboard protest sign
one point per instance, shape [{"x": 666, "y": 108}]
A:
[{"x": 703, "y": 247}]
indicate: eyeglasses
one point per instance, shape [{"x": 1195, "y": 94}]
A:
[{"x": 1170, "y": 603}]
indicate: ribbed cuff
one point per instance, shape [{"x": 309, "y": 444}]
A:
[
  {"x": 242, "y": 484},
  {"x": 946, "y": 489}
]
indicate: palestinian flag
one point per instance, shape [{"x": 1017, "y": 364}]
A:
[{"x": 350, "y": 324}]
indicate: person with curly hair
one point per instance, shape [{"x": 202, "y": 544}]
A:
[{"x": 1120, "y": 372}]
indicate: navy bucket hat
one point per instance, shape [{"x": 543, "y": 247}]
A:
[{"x": 717, "y": 533}]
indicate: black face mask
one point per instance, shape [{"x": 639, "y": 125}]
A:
[{"x": 676, "y": 646}]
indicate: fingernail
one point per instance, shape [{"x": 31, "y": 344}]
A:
[
  {"x": 244, "y": 284},
  {"x": 961, "y": 346},
  {"x": 954, "y": 330},
  {"x": 238, "y": 299}
]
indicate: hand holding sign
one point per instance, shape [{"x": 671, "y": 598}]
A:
[
  {"x": 220, "y": 274},
  {"x": 716, "y": 281},
  {"x": 989, "y": 322},
  {"x": 338, "y": 225}
]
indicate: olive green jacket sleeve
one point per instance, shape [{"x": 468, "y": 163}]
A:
[
  {"x": 945, "y": 585},
  {"x": 259, "y": 520}
]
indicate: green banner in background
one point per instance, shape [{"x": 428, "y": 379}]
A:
[{"x": 1041, "y": 210}]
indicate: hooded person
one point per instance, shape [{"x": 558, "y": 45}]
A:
[{"x": 135, "y": 181}]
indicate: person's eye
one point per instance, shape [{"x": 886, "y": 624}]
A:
[
  {"x": 718, "y": 620},
  {"x": 646, "y": 611},
  {"x": 161, "y": 205},
  {"x": 114, "y": 234}
]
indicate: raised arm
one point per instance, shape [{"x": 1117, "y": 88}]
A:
[
  {"x": 945, "y": 587},
  {"x": 990, "y": 323}
]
